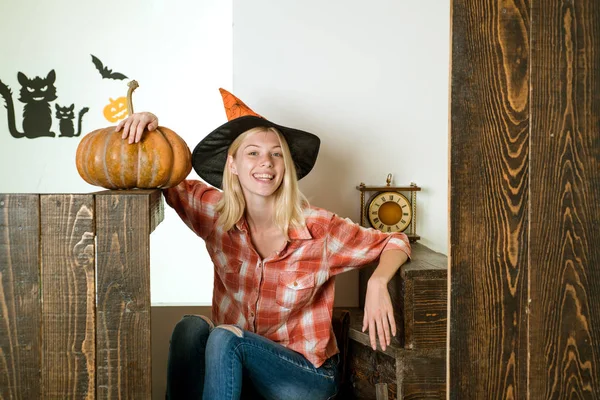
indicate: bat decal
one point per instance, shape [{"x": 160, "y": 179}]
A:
[{"x": 105, "y": 72}]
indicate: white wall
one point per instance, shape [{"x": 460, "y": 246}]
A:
[
  {"x": 180, "y": 53},
  {"x": 371, "y": 79}
]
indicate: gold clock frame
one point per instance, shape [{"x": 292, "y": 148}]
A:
[{"x": 411, "y": 230}]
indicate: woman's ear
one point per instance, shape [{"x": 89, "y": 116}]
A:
[{"x": 231, "y": 165}]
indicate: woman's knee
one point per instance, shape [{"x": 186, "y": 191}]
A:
[
  {"x": 223, "y": 337},
  {"x": 190, "y": 332}
]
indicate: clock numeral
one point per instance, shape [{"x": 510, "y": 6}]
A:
[
  {"x": 376, "y": 220},
  {"x": 403, "y": 221},
  {"x": 405, "y": 213},
  {"x": 377, "y": 205},
  {"x": 389, "y": 228},
  {"x": 375, "y": 213},
  {"x": 397, "y": 227},
  {"x": 383, "y": 198},
  {"x": 404, "y": 206},
  {"x": 380, "y": 226},
  {"x": 391, "y": 197}
]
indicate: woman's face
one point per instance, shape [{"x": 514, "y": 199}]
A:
[{"x": 258, "y": 163}]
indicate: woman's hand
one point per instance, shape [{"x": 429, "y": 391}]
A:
[
  {"x": 379, "y": 313},
  {"x": 133, "y": 126}
]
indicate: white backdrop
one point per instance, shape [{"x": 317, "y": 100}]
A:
[
  {"x": 179, "y": 52},
  {"x": 371, "y": 79}
]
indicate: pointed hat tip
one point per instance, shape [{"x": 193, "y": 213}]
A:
[{"x": 234, "y": 107}]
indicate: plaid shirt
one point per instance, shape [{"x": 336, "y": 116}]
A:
[{"x": 287, "y": 297}]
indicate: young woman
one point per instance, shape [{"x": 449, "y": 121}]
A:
[{"x": 275, "y": 260}]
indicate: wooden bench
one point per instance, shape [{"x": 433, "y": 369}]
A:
[{"x": 414, "y": 365}]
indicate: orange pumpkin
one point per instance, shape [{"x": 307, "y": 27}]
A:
[{"x": 160, "y": 160}]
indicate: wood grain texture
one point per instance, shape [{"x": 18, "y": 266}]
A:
[
  {"x": 421, "y": 374},
  {"x": 68, "y": 296},
  {"x": 426, "y": 310},
  {"x": 564, "y": 240},
  {"x": 489, "y": 154},
  {"x": 20, "y": 307},
  {"x": 123, "y": 226},
  {"x": 368, "y": 368}
]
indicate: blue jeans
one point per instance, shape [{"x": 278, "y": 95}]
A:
[{"x": 215, "y": 363}]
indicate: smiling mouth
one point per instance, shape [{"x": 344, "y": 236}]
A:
[{"x": 263, "y": 177}]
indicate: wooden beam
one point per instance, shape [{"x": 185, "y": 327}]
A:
[
  {"x": 489, "y": 149},
  {"x": 68, "y": 296},
  {"x": 123, "y": 226},
  {"x": 20, "y": 308},
  {"x": 564, "y": 241}
]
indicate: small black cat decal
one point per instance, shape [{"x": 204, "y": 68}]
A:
[
  {"x": 65, "y": 115},
  {"x": 36, "y": 94}
]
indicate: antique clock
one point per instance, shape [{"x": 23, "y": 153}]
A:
[{"x": 388, "y": 209}]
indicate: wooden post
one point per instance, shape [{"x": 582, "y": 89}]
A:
[
  {"x": 124, "y": 222},
  {"x": 68, "y": 296},
  {"x": 524, "y": 190},
  {"x": 20, "y": 308},
  {"x": 75, "y": 318}
]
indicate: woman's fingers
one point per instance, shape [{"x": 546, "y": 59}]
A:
[
  {"x": 390, "y": 315},
  {"x": 381, "y": 333},
  {"x": 133, "y": 126},
  {"x": 372, "y": 333},
  {"x": 386, "y": 329},
  {"x": 120, "y": 125},
  {"x": 139, "y": 131}
]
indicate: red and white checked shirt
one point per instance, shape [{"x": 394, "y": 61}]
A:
[{"x": 287, "y": 297}]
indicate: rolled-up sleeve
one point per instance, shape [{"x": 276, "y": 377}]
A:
[
  {"x": 351, "y": 246},
  {"x": 195, "y": 203}
]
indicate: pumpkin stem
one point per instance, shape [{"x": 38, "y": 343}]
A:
[{"x": 132, "y": 86}]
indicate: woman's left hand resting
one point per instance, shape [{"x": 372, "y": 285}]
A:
[{"x": 379, "y": 313}]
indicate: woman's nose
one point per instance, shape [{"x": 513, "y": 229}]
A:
[{"x": 266, "y": 161}]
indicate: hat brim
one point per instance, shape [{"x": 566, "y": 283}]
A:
[{"x": 210, "y": 155}]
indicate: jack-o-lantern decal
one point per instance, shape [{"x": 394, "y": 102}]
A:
[{"x": 116, "y": 110}]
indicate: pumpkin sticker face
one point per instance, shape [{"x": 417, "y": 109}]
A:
[{"x": 116, "y": 110}]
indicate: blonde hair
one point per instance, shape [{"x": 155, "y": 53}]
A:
[{"x": 289, "y": 200}]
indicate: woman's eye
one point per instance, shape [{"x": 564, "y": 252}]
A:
[
  {"x": 253, "y": 153},
  {"x": 277, "y": 155}
]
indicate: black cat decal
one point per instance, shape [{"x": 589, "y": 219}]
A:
[
  {"x": 36, "y": 94},
  {"x": 65, "y": 115}
]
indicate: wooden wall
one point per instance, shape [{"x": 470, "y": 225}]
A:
[{"x": 525, "y": 200}]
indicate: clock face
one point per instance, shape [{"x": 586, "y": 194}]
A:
[{"x": 389, "y": 212}]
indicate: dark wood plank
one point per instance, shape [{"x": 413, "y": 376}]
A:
[
  {"x": 20, "y": 308},
  {"x": 565, "y": 207},
  {"x": 489, "y": 149},
  {"x": 368, "y": 368},
  {"x": 421, "y": 374},
  {"x": 123, "y": 226},
  {"x": 426, "y": 309},
  {"x": 68, "y": 296}
]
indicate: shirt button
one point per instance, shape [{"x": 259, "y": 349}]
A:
[
  {"x": 252, "y": 314},
  {"x": 295, "y": 283}
]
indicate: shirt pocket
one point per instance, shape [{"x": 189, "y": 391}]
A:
[
  {"x": 294, "y": 289},
  {"x": 231, "y": 275}
]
